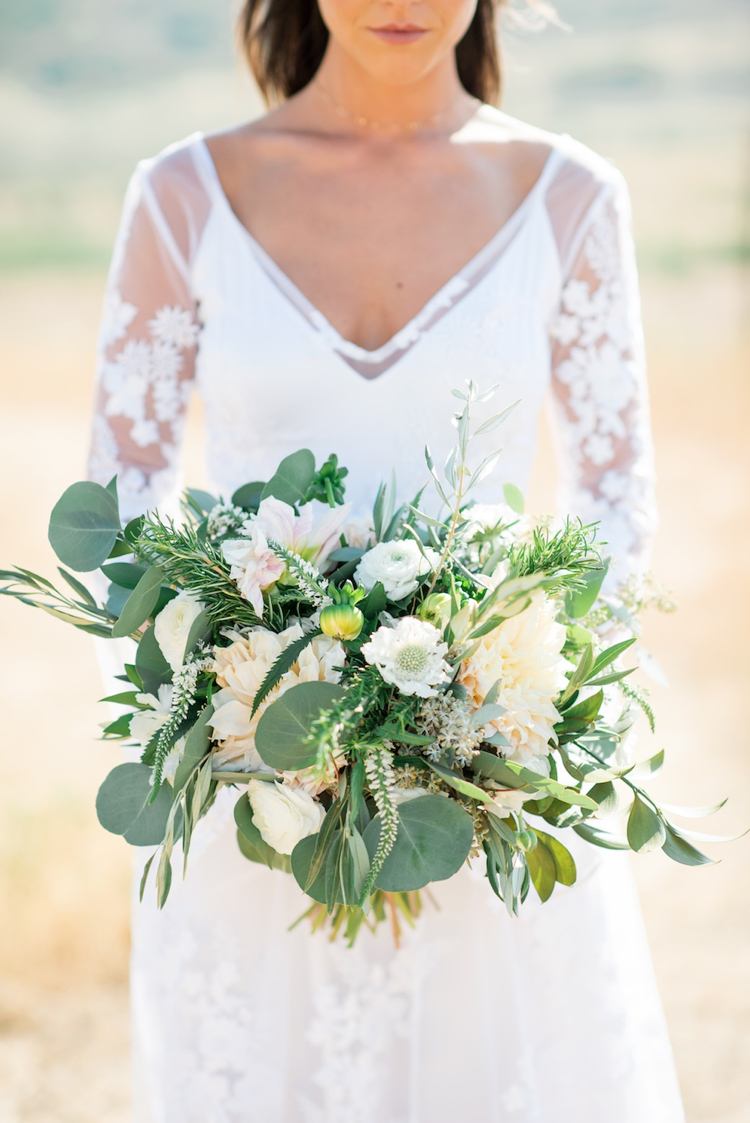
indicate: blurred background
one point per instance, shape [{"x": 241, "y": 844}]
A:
[{"x": 659, "y": 86}]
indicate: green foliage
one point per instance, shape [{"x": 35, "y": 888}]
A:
[
  {"x": 646, "y": 829},
  {"x": 433, "y": 841},
  {"x": 123, "y": 807},
  {"x": 281, "y": 664},
  {"x": 251, "y": 843},
  {"x": 327, "y": 484},
  {"x": 569, "y": 552},
  {"x": 140, "y": 604},
  {"x": 84, "y": 525},
  {"x": 192, "y": 563},
  {"x": 152, "y": 667},
  {"x": 510, "y": 774},
  {"x": 197, "y": 744},
  {"x": 38, "y": 592},
  {"x": 282, "y": 735},
  {"x": 249, "y": 495},
  {"x": 293, "y": 478}
]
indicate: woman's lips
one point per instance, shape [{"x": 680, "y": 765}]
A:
[{"x": 395, "y": 33}]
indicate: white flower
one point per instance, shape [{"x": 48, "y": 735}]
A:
[
  {"x": 283, "y": 815},
  {"x": 240, "y": 669},
  {"x": 359, "y": 531},
  {"x": 172, "y": 626},
  {"x": 397, "y": 565},
  {"x": 524, "y": 655},
  {"x": 410, "y": 655},
  {"x": 253, "y": 566},
  {"x": 312, "y": 534},
  {"x": 174, "y": 326},
  {"x": 117, "y": 316},
  {"x": 144, "y": 723}
]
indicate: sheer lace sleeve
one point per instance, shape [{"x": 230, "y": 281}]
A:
[
  {"x": 599, "y": 384},
  {"x": 146, "y": 352}
]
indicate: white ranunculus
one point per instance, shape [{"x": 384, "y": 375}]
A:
[
  {"x": 284, "y": 815},
  {"x": 410, "y": 655},
  {"x": 523, "y": 654},
  {"x": 397, "y": 565},
  {"x": 172, "y": 627}
]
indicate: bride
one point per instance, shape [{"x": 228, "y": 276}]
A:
[{"x": 323, "y": 276}]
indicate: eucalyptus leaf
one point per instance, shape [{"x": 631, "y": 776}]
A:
[
  {"x": 433, "y": 841},
  {"x": 249, "y": 495},
  {"x": 292, "y": 478},
  {"x": 84, "y": 526},
  {"x": 201, "y": 501},
  {"x": 301, "y": 861},
  {"x": 127, "y": 574},
  {"x": 122, "y": 805},
  {"x": 282, "y": 731}
]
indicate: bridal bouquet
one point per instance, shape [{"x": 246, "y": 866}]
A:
[{"x": 390, "y": 697}]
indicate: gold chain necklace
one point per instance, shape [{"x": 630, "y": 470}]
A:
[{"x": 368, "y": 122}]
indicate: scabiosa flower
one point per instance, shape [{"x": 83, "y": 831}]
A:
[{"x": 409, "y": 655}]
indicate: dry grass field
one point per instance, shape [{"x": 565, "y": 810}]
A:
[{"x": 63, "y": 882}]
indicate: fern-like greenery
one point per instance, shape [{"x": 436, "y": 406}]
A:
[
  {"x": 570, "y": 551},
  {"x": 195, "y": 564}
]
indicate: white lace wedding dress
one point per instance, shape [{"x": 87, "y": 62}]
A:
[{"x": 553, "y": 1016}]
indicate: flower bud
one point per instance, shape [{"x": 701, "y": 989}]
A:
[
  {"x": 436, "y": 610},
  {"x": 526, "y": 840},
  {"x": 341, "y": 621}
]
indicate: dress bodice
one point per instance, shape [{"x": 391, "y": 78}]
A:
[{"x": 548, "y": 307}]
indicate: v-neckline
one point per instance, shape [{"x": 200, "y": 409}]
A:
[{"x": 409, "y": 332}]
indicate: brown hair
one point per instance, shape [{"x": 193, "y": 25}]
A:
[{"x": 284, "y": 41}]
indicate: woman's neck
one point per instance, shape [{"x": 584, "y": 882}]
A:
[{"x": 437, "y": 100}]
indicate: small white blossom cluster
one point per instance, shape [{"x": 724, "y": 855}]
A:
[
  {"x": 185, "y": 682},
  {"x": 450, "y": 721},
  {"x": 225, "y": 519}
]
